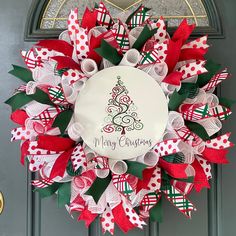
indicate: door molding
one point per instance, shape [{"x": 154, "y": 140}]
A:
[{"x": 34, "y": 33}]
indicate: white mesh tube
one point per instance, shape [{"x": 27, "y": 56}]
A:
[
  {"x": 149, "y": 159},
  {"x": 131, "y": 58},
  {"x": 89, "y": 67},
  {"x": 74, "y": 131},
  {"x": 117, "y": 166}
]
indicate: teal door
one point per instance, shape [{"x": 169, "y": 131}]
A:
[{"x": 25, "y": 214}]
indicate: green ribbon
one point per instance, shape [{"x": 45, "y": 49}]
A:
[
  {"x": 98, "y": 187},
  {"x": 21, "y": 73},
  {"x": 108, "y": 52},
  {"x": 143, "y": 37},
  {"x": 48, "y": 191},
  {"x": 132, "y": 14},
  {"x": 41, "y": 97},
  {"x": 62, "y": 120},
  {"x": 165, "y": 180},
  {"x": 198, "y": 130},
  {"x": 63, "y": 194},
  {"x": 70, "y": 170},
  {"x": 136, "y": 168},
  {"x": 174, "y": 158},
  {"x": 135, "y": 12},
  {"x": 20, "y": 99},
  {"x": 191, "y": 88},
  {"x": 212, "y": 68},
  {"x": 176, "y": 100},
  {"x": 156, "y": 212}
]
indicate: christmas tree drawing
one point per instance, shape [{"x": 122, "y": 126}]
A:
[{"x": 122, "y": 115}]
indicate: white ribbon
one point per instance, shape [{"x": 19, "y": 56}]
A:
[
  {"x": 118, "y": 167},
  {"x": 175, "y": 121},
  {"x": 149, "y": 159},
  {"x": 45, "y": 75},
  {"x": 157, "y": 71},
  {"x": 69, "y": 92},
  {"x": 35, "y": 108},
  {"x": 74, "y": 131},
  {"x": 89, "y": 67},
  {"x": 53, "y": 132},
  {"x": 78, "y": 85},
  {"x": 199, "y": 148},
  {"x": 168, "y": 89},
  {"x": 96, "y": 31},
  {"x": 102, "y": 173},
  {"x": 188, "y": 152},
  {"x": 169, "y": 134},
  {"x": 212, "y": 100},
  {"x": 31, "y": 87},
  {"x": 131, "y": 58},
  {"x": 90, "y": 154},
  {"x": 212, "y": 125},
  {"x": 65, "y": 36},
  {"x": 105, "y": 64}
]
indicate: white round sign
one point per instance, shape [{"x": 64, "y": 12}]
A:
[{"x": 123, "y": 112}]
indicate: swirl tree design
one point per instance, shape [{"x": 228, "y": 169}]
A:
[{"x": 122, "y": 115}]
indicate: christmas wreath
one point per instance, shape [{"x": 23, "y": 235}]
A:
[{"x": 116, "y": 115}]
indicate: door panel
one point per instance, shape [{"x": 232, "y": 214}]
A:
[{"x": 25, "y": 214}]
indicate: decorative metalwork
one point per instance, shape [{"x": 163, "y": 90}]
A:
[{"x": 56, "y": 11}]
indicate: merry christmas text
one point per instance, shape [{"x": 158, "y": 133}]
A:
[{"x": 121, "y": 142}]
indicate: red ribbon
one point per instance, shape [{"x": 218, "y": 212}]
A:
[
  {"x": 19, "y": 117},
  {"x": 215, "y": 155},
  {"x": 89, "y": 19},
  {"x": 121, "y": 219},
  {"x": 173, "y": 53},
  {"x": 24, "y": 151},
  {"x": 175, "y": 44},
  {"x": 147, "y": 175},
  {"x": 192, "y": 53},
  {"x": 175, "y": 170},
  {"x": 66, "y": 62},
  {"x": 54, "y": 143},
  {"x": 200, "y": 178},
  {"x": 60, "y": 164},
  {"x": 87, "y": 216},
  {"x": 173, "y": 78},
  {"x": 95, "y": 42},
  {"x": 183, "y": 32},
  {"x": 57, "y": 45}
]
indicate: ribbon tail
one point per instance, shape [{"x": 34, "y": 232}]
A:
[
  {"x": 179, "y": 201},
  {"x": 24, "y": 151},
  {"x": 200, "y": 179},
  {"x": 215, "y": 156},
  {"x": 87, "y": 216},
  {"x": 60, "y": 164},
  {"x": 121, "y": 219},
  {"x": 175, "y": 170}
]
